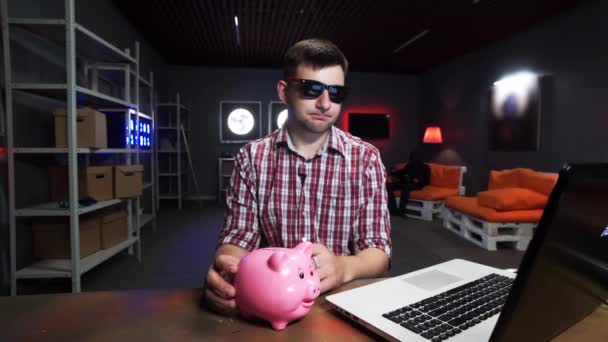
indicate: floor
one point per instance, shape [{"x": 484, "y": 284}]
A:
[{"x": 179, "y": 252}]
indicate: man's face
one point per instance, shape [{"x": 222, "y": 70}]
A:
[{"x": 312, "y": 115}]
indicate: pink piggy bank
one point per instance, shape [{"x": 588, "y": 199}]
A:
[{"x": 278, "y": 285}]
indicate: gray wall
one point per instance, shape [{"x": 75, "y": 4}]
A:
[
  {"x": 569, "y": 49},
  {"x": 203, "y": 89}
]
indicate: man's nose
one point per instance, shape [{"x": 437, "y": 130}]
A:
[{"x": 323, "y": 102}]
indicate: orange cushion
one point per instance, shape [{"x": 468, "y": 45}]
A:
[
  {"x": 433, "y": 193},
  {"x": 444, "y": 176},
  {"x": 512, "y": 199},
  {"x": 505, "y": 179},
  {"x": 540, "y": 182},
  {"x": 470, "y": 206}
]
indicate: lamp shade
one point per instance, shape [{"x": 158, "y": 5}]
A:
[{"x": 432, "y": 135}]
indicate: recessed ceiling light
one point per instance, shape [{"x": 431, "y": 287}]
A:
[{"x": 411, "y": 40}]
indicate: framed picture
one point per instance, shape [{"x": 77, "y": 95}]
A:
[
  {"x": 240, "y": 121},
  {"x": 514, "y": 123},
  {"x": 277, "y": 114}
]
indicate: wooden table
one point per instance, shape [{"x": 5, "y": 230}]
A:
[{"x": 177, "y": 315}]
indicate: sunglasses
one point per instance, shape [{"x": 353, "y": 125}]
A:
[{"x": 310, "y": 89}]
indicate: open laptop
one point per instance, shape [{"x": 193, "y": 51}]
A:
[{"x": 563, "y": 277}]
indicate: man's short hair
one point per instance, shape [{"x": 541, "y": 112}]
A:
[{"x": 318, "y": 53}]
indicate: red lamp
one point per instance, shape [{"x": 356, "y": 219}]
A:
[{"x": 432, "y": 135}]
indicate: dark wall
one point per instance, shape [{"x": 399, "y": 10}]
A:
[
  {"x": 568, "y": 50},
  {"x": 204, "y": 88}
]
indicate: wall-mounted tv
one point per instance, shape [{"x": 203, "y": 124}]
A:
[{"x": 368, "y": 125}]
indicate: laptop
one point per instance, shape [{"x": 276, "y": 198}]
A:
[{"x": 562, "y": 278}]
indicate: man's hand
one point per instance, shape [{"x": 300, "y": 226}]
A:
[
  {"x": 219, "y": 291},
  {"x": 331, "y": 268},
  {"x": 336, "y": 270}
]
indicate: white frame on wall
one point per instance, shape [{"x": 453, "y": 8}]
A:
[
  {"x": 256, "y": 116},
  {"x": 270, "y": 113}
]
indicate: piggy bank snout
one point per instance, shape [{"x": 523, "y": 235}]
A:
[{"x": 313, "y": 290}]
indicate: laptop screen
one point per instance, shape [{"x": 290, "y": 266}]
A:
[{"x": 564, "y": 274}]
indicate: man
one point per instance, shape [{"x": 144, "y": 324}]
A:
[
  {"x": 414, "y": 176},
  {"x": 307, "y": 180}
]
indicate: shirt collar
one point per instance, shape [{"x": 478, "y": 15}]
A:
[{"x": 333, "y": 141}]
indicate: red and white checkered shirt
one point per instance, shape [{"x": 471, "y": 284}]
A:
[{"x": 337, "y": 198}]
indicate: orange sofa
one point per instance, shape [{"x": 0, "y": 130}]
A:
[
  {"x": 507, "y": 212},
  {"x": 427, "y": 202}
]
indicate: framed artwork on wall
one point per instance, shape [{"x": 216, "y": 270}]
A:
[
  {"x": 240, "y": 121},
  {"x": 277, "y": 114},
  {"x": 514, "y": 122}
]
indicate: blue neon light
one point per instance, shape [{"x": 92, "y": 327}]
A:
[{"x": 143, "y": 130}]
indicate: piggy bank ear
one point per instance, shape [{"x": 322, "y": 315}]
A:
[
  {"x": 277, "y": 260},
  {"x": 305, "y": 248}
]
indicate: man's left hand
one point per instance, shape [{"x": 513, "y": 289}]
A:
[{"x": 331, "y": 268}]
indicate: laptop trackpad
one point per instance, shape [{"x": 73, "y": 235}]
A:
[{"x": 432, "y": 280}]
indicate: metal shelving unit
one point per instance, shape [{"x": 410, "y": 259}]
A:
[
  {"x": 224, "y": 172},
  {"x": 172, "y": 168},
  {"x": 79, "y": 44},
  {"x": 143, "y": 215}
]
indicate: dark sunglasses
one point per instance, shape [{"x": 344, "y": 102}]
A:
[{"x": 311, "y": 89}]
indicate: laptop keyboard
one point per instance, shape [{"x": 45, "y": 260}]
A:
[{"x": 449, "y": 313}]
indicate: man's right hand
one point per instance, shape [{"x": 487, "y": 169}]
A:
[{"x": 219, "y": 290}]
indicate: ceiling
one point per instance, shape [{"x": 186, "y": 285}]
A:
[{"x": 369, "y": 32}]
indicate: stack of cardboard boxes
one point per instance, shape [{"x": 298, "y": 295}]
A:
[{"x": 99, "y": 230}]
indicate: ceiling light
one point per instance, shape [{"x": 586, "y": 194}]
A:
[{"x": 412, "y": 40}]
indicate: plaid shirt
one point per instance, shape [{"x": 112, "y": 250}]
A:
[{"x": 337, "y": 198}]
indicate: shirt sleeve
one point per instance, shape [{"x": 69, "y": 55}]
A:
[
  {"x": 241, "y": 217},
  {"x": 373, "y": 226}
]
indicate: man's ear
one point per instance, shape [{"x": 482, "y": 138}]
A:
[{"x": 282, "y": 91}]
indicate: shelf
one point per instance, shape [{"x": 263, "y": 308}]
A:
[
  {"x": 59, "y": 150},
  {"x": 61, "y": 268},
  {"x": 143, "y": 219},
  {"x": 88, "y": 44},
  {"x": 145, "y": 116},
  {"x": 171, "y": 104},
  {"x": 53, "y": 209},
  {"x": 147, "y": 185},
  {"x": 170, "y": 174},
  {"x": 168, "y": 196},
  {"x": 116, "y": 73},
  {"x": 58, "y": 91},
  {"x": 122, "y": 110},
  {"x": 171, "y": 128},
  {"x": 169, "y": 151},
  {"x": 142, "y": 79}
]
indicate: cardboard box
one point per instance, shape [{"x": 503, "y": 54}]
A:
[
  {"x": 114, "y": 228},
  {"x": 91, "y": 128},
  {"x": 51, "y": 237},
  {"x": 128, "y": 180},
  {"x": 93, "y": 181}
]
